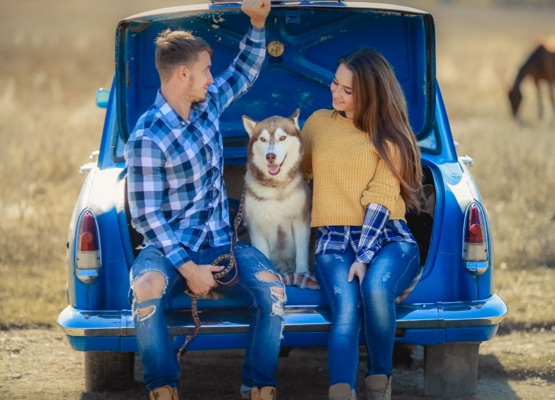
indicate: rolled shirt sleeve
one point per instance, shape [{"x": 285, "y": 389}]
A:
[{"x": 374, "y": 222}]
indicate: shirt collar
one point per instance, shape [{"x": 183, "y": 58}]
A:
[{"x": 173, "y": 119}]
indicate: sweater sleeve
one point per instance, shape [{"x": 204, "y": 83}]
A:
[{"x": 384, "y": 188}]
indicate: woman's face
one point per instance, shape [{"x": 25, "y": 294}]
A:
[{"x": 342, "y": 92}]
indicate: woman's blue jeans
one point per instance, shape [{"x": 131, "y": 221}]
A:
[
  {"x": 266, "y": 315},
  {"x": 373, "y": 301}
]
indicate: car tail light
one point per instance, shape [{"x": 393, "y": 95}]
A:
[
  {"x": 87, "y": 263},
  {"x": 475, "y": 245}
]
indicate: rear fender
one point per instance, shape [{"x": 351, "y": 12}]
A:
[{"x": 102, "y": 194}]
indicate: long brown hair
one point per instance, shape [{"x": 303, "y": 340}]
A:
[{"x": 381, "y": 112}]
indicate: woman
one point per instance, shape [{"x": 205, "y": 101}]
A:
[{"x": 365, "y": 164}]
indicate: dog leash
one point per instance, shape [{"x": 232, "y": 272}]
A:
[{"x": 218, "y": 276}]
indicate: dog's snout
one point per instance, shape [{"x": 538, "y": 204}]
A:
[{"x": 270, "y": 157}]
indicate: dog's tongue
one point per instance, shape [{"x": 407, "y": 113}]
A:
[{"x": 273, "y": 169}]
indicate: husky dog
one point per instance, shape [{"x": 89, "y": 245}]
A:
[{"x": 277, "y": 198}]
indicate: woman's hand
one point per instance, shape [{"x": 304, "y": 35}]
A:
[
  {"x": 358, "y": 269},
  {"x": 257, "y": 10}
]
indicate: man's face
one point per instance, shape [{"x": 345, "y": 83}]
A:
[{"x": 199, "y": 79}]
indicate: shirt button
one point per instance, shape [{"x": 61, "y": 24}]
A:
[{"x": 182, "y": 123}]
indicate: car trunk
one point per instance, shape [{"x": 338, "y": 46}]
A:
[
  {"x": 420, "y": 225},
  {"x": 304, "y": 43}
]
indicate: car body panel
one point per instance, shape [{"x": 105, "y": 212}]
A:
[{"x": 449, "y": 304}]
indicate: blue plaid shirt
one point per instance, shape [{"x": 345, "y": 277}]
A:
[
  {"x": 176, "y": 193},
  {"x": 365, "y": 240}
]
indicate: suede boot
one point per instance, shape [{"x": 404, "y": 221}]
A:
[
  {"x": 164, "y": 393},
  {"x": 341, "y": 391},
  {"x": 265, "y": 393},
  {"x": 378, "y": 387}
]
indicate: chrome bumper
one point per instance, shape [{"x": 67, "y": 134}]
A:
[{"x": 305, "y": 319}]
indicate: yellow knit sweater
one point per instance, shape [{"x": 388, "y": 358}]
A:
[{"x": 347, "y": 172}]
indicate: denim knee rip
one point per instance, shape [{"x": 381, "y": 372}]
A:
[
  {"x": 278, "y": 295},
  {"x": 143, "y": 305},
  {"x": 154, "y": 304}
]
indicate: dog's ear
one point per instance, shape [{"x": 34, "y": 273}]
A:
[
  {"x": 295, "y": 117},
  {"x": 249, "y": 125}
]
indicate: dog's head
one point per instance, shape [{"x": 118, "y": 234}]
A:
[{"x": 275, "y": 144}]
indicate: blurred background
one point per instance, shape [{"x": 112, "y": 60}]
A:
[{"x": 55, "y": 54}]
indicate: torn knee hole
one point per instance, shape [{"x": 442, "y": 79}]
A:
[
  {"x": 143, "y": 312},
  {"x": 267, "y": 276},
  {"x": 151, "y": 285},
  {"x": 278, "y": 300},
  {"x": 278, "y": 291}
]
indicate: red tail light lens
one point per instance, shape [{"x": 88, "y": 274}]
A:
[
  {"x": 475, "y": 245},
  {"x": 88, "y": 236},
  {"x": 474, "y": 232},
  {"x": 87, "y": 251}
]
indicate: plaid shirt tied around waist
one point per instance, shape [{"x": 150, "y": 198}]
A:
[{"x": 365, "y": 240}]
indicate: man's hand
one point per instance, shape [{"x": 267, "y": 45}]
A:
[
  {"x": 199, "y": 277},
  {"x": 257, "y": 10},
  {"x": 358, "y": 269}
]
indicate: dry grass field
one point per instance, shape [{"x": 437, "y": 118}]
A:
[{"x": 55, "y": 54}]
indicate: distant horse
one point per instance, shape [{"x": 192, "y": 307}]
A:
[{"x": 540, "y": 65}]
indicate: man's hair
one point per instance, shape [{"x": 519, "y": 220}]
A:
[{"x": 175, "y": 48}]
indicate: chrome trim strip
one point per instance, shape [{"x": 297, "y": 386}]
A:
[{"x": 297, "y": 319}]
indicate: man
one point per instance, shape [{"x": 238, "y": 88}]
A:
[{"x": 178, "y": 203}]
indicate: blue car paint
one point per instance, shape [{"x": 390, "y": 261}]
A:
[{"x": 448, "y": 305}]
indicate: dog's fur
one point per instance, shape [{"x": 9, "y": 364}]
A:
[{"x": 277, "y": 198}]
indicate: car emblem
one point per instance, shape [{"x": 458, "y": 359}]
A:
[{"x": 275, "y": 48}]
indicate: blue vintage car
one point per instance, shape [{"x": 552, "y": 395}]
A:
[{"x": 452, "y": 309}]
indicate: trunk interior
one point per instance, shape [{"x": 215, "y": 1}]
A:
[{"x": 420, "y": 225}]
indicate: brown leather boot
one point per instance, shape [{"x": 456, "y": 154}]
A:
[
  {"x": 341, "y": 391},
  {"x": 266, "y": 393},
  {"x": 378, "y": 387},
  {"x": 164, "y": 393}
]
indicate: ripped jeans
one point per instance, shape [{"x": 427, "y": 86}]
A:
[
  {"x": 372, "y": 301},
  {"x": 266, "y": 315}
]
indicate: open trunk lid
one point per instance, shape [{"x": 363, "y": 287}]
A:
[{"x": 304, "y": 42}]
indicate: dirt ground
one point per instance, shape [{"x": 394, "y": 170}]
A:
[{"x": 39, "y": 364}]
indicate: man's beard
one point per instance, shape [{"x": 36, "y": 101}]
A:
[
  {"x": 196, "y": 98},
  {"x": 199, "y": 99}
]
